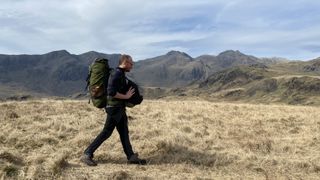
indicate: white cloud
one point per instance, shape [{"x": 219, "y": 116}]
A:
[{"x": 146, "y": 28}]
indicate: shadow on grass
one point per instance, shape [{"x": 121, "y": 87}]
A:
[{"x": 168, "y": 153}]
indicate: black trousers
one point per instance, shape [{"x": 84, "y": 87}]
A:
[{"x": 116, "y": 117}]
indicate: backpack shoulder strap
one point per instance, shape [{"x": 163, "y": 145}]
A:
[{"x": 88, "y": 79}]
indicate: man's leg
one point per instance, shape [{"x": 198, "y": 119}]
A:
[
  {"x": 104, "y": 134},
  {"x": 123, "y": 131}
]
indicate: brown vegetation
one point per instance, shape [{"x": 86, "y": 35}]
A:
[{"x": 186, "y": 139}]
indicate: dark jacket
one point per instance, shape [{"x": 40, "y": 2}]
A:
[{"x": 117, "y": 83}]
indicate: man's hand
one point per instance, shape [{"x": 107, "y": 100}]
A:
[{"x": 129, "y": 93}]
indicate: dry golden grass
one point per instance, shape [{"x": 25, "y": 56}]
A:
[{"x": 186, "y": 139}]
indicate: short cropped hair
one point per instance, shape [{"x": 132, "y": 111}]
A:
[{"x": 123, "y": 58}]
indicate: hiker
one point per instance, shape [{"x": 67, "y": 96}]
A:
[{"x": 116, "y": 114}]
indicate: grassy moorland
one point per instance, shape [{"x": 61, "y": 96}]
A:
[{"x": 185, "y": 139}]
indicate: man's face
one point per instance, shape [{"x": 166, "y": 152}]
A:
[{"x": 128, "y": 65}]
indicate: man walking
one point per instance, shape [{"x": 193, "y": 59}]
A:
[{"x": 116, "y": 114}]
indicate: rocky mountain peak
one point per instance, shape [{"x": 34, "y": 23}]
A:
[
  {"x": 178, "y": 53},
  {"x": 231, "y": 53},
  {"x": 90, "y": 53},
  {"x": 57, "y": 54}
]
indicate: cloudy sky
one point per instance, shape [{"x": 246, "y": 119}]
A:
[{"x": 148, "y": 28}]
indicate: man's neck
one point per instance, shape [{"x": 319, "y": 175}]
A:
[{"x": 122, "y": 69}]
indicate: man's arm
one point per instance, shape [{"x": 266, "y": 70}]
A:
[
  {"x": 128, "y": 95},
  {"x": 114, "y": 86}
]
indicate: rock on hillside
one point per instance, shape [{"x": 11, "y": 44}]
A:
[
  {"x": 233, "y": 77},
  {"x": 314, "y": 66}
]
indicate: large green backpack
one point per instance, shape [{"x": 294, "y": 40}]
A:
[{"x": 97, "y": 82}]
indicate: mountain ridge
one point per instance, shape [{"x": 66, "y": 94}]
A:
[{"x": 60, "y": 73}]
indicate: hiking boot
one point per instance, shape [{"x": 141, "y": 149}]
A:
[
  {"x": 87, "y": 159},
  {"x": 134, "y": 159}
]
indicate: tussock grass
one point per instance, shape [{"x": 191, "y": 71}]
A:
[
  {"x": 185, "y": 139},
  {"x": 58, "y": 162}
]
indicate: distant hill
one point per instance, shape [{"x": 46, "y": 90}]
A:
[
  {"x": 57, "y": 73},
  {"x": 170, "y": 70},
  {"x": 257, "y": 84},
  {"x": 273, "y": 60},
  {"x": 177, "y": 69},
  {"x": 60, "y": 73},
  {"x": 231, "y": 75}
]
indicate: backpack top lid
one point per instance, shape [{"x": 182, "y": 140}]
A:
[
  {"x": 102, "y": 60},
  {"x": 99, "y": 69},
  {"x": 99, "y": 65}
]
